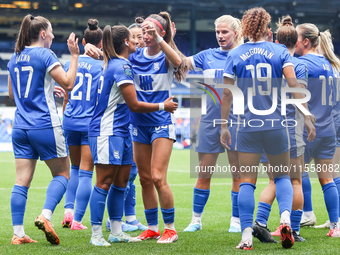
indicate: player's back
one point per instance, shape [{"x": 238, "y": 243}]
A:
[
  {"x": 33, "y": 88},
  {"x": 320, "y": 83},
  {"x": 83, "y": 97},
  {"x": 258, "y": 67}
]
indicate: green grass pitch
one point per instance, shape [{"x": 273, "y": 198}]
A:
[{"x": 212, "y": 239}]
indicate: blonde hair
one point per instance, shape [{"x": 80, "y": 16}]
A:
[
  {"x": 234, "y": 24},
  {"x": 311, "y": 32}
]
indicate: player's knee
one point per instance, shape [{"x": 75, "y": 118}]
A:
[
  {"x": 158, "y": 181},
  {"x": 145, "y": 181}
]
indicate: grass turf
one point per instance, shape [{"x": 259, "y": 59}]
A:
[{"x": 213, "y": 238}]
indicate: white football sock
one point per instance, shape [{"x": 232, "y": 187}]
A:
[{"x": 19, "y": 230}]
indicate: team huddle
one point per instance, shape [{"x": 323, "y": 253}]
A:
[{"x": 118, "y": 116}]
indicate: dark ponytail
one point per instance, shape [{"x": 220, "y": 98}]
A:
[
  {"x": 165, "y": 20},
  {"x": 138, "y": 23},
  {"x": 93, "y": 34},
  {"x": 286, "y": 33},
  {"x": 29, "y": 31},
  {"x": 113, "y": 41}
]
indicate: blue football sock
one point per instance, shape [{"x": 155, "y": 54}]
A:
[
  {"x": 97, "y": 205},
  {"x": 263, "y": 211},
  {"x": 284, "y": 193},
  {"x": 83, "y": 194},
  {"x": 331, "y": 196},
  {"x": 295, "y": 218},
  {"x": 151, "y": 216},
  {"x": 130, "y": 201},
  {"x": 18, "y": 204},
  {"x": 200, "y": 199},
  {"x": 307, "y": 192},
  {"x": 168, "y": 215},
  {"x": 337, "y": 183},
  {"x": 234, "y": 202},
  {"x": 246, "y": 204},
  {"x": 55, "y": 192},
  {"x": 72, "y": 186},
  {"x": 115, "y": 203},
  {"x": 131, "y": 181}
]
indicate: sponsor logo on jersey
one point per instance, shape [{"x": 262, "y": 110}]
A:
[
  {"x": 145, "y": 82},
  {"x": 156, "y": 66}
]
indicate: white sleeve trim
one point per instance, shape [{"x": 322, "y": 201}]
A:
[
  {"x": 194, "y": 65},
  {"x": 304, "y": 82},
  {"x": 229, "y": 76},
  {"x": 124, "y": 82},
  {"x": 288, "y": 64},
  {"x": 53, "y": 65}
]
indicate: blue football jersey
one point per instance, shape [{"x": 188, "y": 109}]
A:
[
  {"x": 258, "y": 66},
  {"x": 111, "y": 114},
  {"x": 301, "y": 73},
  {"x": 321, "y": 82},
  {"x": 33, "y": 88},
  {"x": 336, "y": 107},
  {"x": 153, "y": 80},
  {"x": 212, "y": 62},
  {"x": 83, "y": 97}
]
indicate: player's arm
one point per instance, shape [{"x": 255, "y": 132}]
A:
[
  {"x": 93, "y": 51},
  {"x": 289, "y": 73},
  {"x": 67, "y": 79},
  {"x": 130, "y": 97},
  {"x": 65, "y": 101},
  {"x": 10, "y": 91},
  {"x": 169, "y": 52},
  {"x": 189, "y": 64},
  {"x": 225, "y": 111}
]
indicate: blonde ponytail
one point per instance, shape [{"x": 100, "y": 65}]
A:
[{"x": 327, "y": 49}]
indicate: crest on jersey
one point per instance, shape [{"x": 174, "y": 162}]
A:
[
  {"x": 135, "y": 131},
  {"x": 127, "y": 70},
  {"x": 116, "y": 154},
  {"x": 156, "y": 66}
]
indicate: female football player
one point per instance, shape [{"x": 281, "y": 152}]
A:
[
  {"x": 258, "y": 66},
  {"x": 321, "y": 81},
  {"x": 77, "y": 116},
  {"x": 287, "y": 36},
  {"x": 37, "y": 129},
  {"x": 154, "y": 133},
  {"x": 109, "y": 136},
  {"x": 212, "y": 62}
]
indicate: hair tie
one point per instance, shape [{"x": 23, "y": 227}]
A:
[
  {"x": 319, "y": 34},
  {"x": 32, "y": 17},
  {"x": 156, "y": 22}
]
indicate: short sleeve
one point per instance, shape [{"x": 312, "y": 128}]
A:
[
  {"x": 286, "y": 58},
  {"x": 124, "y": 74},
  {"x": 49, "y": 59},
  {"x": 198, "y": 60},
  {"x": 229, "y": 70},
  {"x": 10, "y": 62},
  {"x": 301, "y": 73}
]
